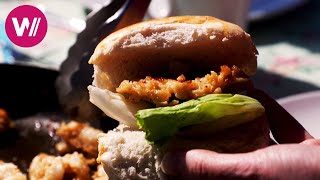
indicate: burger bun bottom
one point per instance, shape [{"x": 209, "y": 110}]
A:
[
  {"x": 126, "y": 154},
  {"x": 241, "y": 138}
]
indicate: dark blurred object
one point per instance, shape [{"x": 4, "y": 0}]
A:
[
  {"x": 75, "y": 72},
  {"x": 33, "y": 113},
  {"x": 30, "y": 136},
  {"x": 27, "y": 90},
  {"x": 278, "y": 86},
  {"x": 300, "y": 27},
  {"x": 266, "y": 9},
  {"x": 134, "y": 14}
]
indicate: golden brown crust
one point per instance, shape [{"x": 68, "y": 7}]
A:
[{"x": 230, "y": 29}]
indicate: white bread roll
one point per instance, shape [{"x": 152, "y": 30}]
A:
[
  {"x": 126, "y": 154},
  {"x": 160, "y": 48}
]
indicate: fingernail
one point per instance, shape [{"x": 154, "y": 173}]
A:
[{"x": 171, "y": 162}]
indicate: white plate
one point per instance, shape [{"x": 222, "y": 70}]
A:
[
  {"x": 305, "y": 108},
  {"x": 261, "y": 9}
]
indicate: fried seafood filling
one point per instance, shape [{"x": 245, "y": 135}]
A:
[
  {"x": 78, "y": 136},
  {"x": 10, "y": 171},
  {"x": 70, "y": 166},
  {"x": 167, "y": 92}
]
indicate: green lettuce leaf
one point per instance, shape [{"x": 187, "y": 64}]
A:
[{"x": 224, "y": 110}]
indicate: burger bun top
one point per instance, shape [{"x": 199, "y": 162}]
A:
[
  {"x": 151, "y": 48},
  {"x": 166, "y": 48}
]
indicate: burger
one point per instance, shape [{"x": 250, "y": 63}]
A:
[{"x": 175, "y": 83}]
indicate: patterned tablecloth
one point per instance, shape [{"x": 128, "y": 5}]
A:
[
  {"x": 289, "y": 51},
  {"x": 288, "y": 45}
]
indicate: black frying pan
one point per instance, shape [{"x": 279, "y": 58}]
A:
[
  {"x": 26, "y": 90},
  {"x": 29, "y": 96}
]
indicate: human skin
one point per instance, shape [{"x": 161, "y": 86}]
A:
[{"x": 297, "y": 157}]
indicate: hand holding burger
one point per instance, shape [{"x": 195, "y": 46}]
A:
[
  {"x": 176, "y": 83},
  {"x": 297, "y": 157}
]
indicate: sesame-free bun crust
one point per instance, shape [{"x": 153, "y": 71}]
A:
[
  {"x": 165, "y": 47},
  {"x": 151, "y": 47}
]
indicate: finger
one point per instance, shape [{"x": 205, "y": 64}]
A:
[
  {"x": 290, "y": 161},
  {"x": 311, "y": 142},
  {"x": 284, "y": 127},
  {"x": 203, "y": 164}
]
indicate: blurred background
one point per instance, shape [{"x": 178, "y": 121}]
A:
[{"x": 286, "y": 33}]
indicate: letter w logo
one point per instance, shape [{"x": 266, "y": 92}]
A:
[{"x": 25, "y": 25}]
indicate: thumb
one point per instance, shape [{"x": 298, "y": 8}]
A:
[{"x": 204, "y": 164}]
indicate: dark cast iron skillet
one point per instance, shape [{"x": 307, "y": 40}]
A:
[{"x": 29, "y": 96}]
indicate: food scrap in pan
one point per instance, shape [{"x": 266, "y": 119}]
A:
[
  {"x": 78, "y": 161},
  {"x": 10, "y": 171},
  {"x": 69, "y": 166},
  {"x": 78, "y": 136},
  {"x": 100, "y": 174},
  {"x": 5, "y": 122}
]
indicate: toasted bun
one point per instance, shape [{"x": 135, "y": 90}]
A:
[
  {"x": 126, "y": 154},
  {"x": 160, "y": 48},
  {"x": 148, "y": 48}
]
